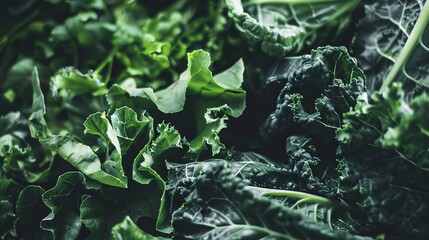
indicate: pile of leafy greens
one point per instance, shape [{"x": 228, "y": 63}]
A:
[{"x": 252, "y": 119}]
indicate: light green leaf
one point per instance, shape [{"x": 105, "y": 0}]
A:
[
  {"x": 168, "y": 138},
  {"x": 84, "y": 159},
  {"x": 215, "y": 121},
  {"x": 127, "y": 94},
  {"x": 196, "y": 82},
  {"x": 128, "y": 230},
  {"x": 74, "y": 82},
  {"x": 98, "y": 124},
  {"x": 232, "y": 78}
]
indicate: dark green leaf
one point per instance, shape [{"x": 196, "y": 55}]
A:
[
  {"x": 63, "y": 200},
  {"x": 223, "y": 206}
]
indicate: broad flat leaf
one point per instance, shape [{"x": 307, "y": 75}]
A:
[
  {"x": 232, "y": 78},
  {"x": 127, "y": 94},
  {"x": 9, "y": 121},
  {"x": 16, "y": 75},
  {"x": 101, "y": 213},
  {"x": 85, "y": 160},
  {"x": 209, "y": 91}
]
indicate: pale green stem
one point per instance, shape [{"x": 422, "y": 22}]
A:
[{"x": 410, "y": 45}]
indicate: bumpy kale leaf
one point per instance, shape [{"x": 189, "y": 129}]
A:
[
  {"x": 222, "y": 206},
  {"x": 316, "y": 94},
  {"x": 315, "y": 173},
  {"x": 286, "y": 27},
  {"x": 381, "y": 171},
  {"x": 257, "y": 169}
]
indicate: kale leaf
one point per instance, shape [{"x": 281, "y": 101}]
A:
[{"x": 324, "y": 86}]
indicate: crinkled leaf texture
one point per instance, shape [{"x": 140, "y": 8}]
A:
[
  {"x": 392, "y": 44},
  {"x": 257, "y": 169},
  {"x": 317, "y": 93},
  {"x": 381, "y": 169},
  {"x": 222, "y": 206},
  {"x": 128, "y": 126},
  {"x": 315, "y": 173},
  {"x": 287, "y": 27}
]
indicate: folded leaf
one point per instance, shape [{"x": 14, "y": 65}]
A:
[
  {"x": 287, "y": 27},
  {"x": 196, "y": 82},
  {"x": 84, "y": 159},
  {"x": 98, "y": 124},
  {"x": 128, "y": 230},
  {"x": 64, "y": 221},
  {"x": 127, "y": 126}
]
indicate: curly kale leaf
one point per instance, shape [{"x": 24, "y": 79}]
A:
[
  {"x": 287, "y": 27},
  {"x": 317, "y": 93},
  {"x": 392, "y": 43},
  {"x": 222, "y": 206},
  {"x": 303, "y": 160},
  {"x": 382, "y": 171}
]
